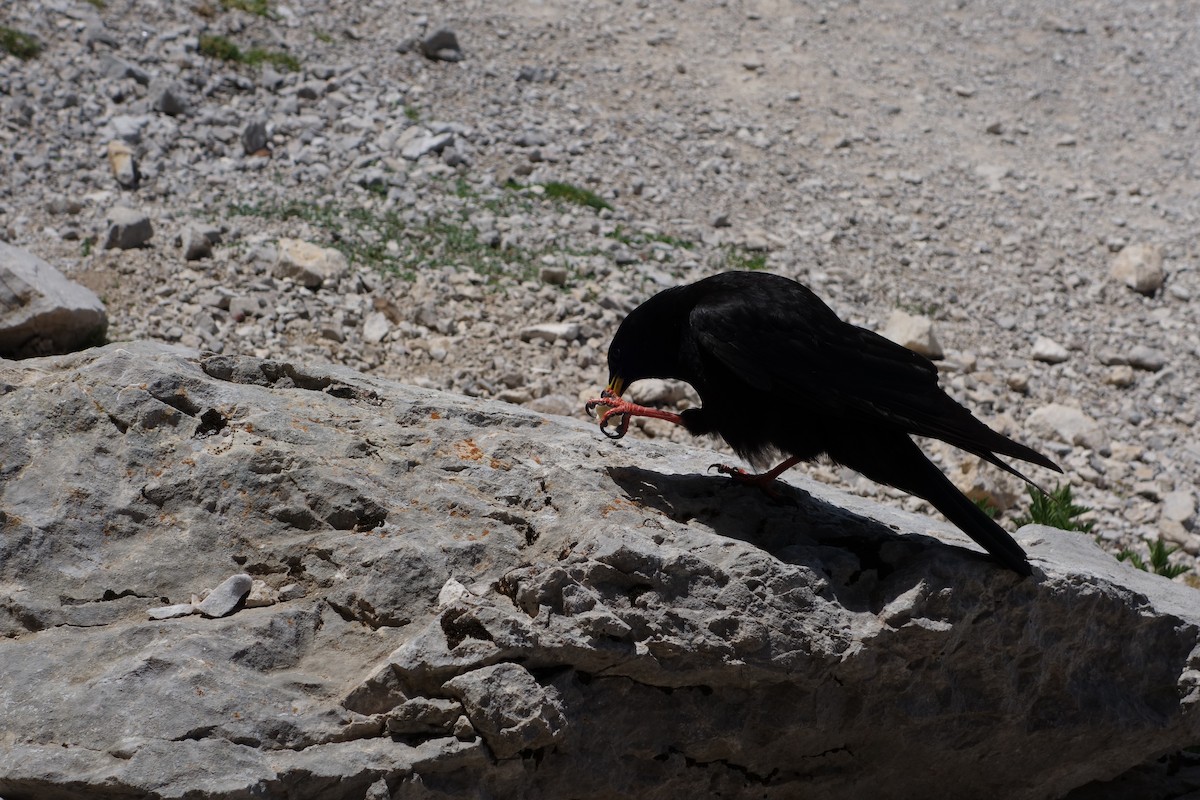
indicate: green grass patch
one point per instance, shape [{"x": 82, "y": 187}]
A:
[
  {"x": 385, "y": 241},
  {"x": 1055, "y": 509},
  {"x": 99, "y": 5},
  {"x": 22, "y": 45},
  {"x": 575, "y": 194},
  {"x": 323, "y": 36},
  {"x": 737, "y": 258},
  {"x": 638, "y": 239},
  {"x": 257, "y": 55},
  {"x": 987, "y": 508},
  {"x": 219, "y": 47},
  {"x": 412, "y": 113},
  {"x": 1160, "y": 560},
  {"x": 260, "y": 8},
  {"x": 223, "y": 48}
]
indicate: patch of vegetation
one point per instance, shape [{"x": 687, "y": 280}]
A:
[
  {"x": 736, "y": 258},
  {"x": 323, "y": 36},
  {"x": 412, "y": 113},
  {"x": 987, "y": 507},
  {"x": 278, "y": 58},
  {"x": 22, "y": 45},
  {"x": 1160, "y": 560},
  {"x": 575, "y": 194},
  {"x": 260, "y": 8},
  {"x": 219, "y": 47},
  {"x": 636, "y": 239},
  {"x": 223, "y": 48},
  {"x": 88, "y": 244},
  {"x": 920, "y": 309},
  {"x": 1055, "y": 509},
  {"x": 387, "y": 242},
  {"x": 99, "y": 5}
]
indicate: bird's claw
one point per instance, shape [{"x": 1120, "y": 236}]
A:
[
  {"x": 764, "y": 481},
  {"x": 616, "y": 407}
]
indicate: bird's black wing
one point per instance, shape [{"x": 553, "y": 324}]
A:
[{"x": 791, "y": 345}]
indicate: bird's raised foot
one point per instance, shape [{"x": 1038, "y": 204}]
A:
[{"x": 614, "y": 406}]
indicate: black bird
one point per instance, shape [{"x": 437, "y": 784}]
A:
[{"x": 778, "y": 372}]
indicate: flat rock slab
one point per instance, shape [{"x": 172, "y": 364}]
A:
[{"x": 617, "y": 622}]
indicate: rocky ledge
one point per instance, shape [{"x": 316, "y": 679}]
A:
[{"x": 437, "y": 596}]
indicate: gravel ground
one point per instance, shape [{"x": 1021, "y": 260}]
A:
[{"x": 980, "y": 164}]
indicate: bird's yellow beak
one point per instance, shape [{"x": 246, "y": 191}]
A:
[{"x": 616, "y": 385}]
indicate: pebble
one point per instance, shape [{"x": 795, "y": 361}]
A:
[
  {"x": 1068, "y": 424},
  {"x": 550, "y": 332},
  {"x": 226, "y": 596},
  {"x": 1140, "y": 267},
  {"x": 1049, "y": 351},
  {"x": 914, "y": 332},
  {"x": 172, "y": 611},
  {"x": 127, "y": 229},
  {"x": 1147, "y": 358},
  {"x": 122, "y": 164},
  {"x": 441, "y": 45},
  {"x": 308, "y": 264},
  {"x": 1120, "y": 376}
]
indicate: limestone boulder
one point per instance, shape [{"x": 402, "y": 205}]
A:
[{"x": 461, "y": 598}]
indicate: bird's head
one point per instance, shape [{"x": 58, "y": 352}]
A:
[{"x": 647, "y": 342}]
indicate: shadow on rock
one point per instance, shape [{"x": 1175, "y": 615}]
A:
[{"x": 854, "y": 552}]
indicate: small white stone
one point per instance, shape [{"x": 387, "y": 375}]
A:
[
  {"x": 226, "y": 596},
  {"x": 1139, "y": 266},
  {"x": 1047, "y": 350},
  {"x": 914, "y": 332},
  {"x": 169, "y": 612}
]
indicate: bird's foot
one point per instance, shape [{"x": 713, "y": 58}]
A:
[
  {"x": 614, "y": 406},
  {"x": 763, "y": 480}
]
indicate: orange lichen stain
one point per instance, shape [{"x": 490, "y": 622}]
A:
[
  {"x": 434, "y": 415},
  {"x": 467, "y": 450},
  {"x": 498, "y": 464},
  {"x": 617, "y": 504}
]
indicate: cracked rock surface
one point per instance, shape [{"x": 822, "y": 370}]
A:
[{"x": 464, "y": 598}]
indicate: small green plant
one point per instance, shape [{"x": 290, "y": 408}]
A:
[
  {"x": 219, "y": 47},
  {"x": 987, "y": 507},
  {"x": 1055, "y": 509},
  {"x": 575, "y": 194},
  {"x": 412, "y": 113},
  {"x": 1160, "y": 560},
  {"x": 386, "y": 241},
  {"x": 88, "y": 244},
  {"x": 260, "y": 8},
  {"x": 98, "y": 4},
  {"x": 323, "y": 36},
  {"x": 257, "y": 55},
  {"x": 738, "y": 259},
  {"x": 635, "y": 239},
  {"x": 22, "y": 45}
]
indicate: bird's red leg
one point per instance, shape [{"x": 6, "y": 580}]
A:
[
  {"x": 762, "y": 480},
  {"x": 616, "y": 406}
]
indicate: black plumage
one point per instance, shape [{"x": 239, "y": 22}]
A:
[{"x": 778, "y": 372}]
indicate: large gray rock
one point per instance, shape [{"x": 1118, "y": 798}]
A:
[
  {"x": 41, "y": 311},
  {"x": 611, "y": 621}
]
